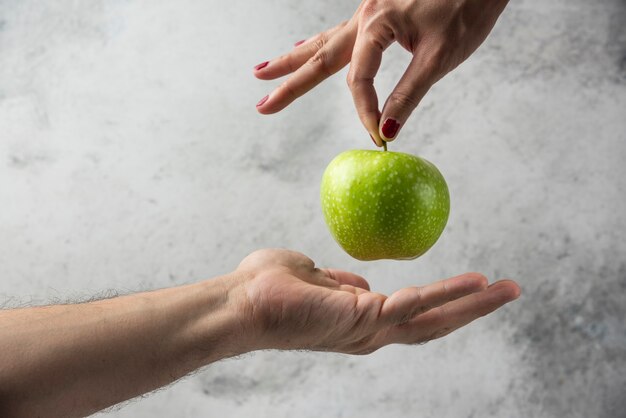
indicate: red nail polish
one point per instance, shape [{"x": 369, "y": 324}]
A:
[
  {"x": 263, "y": 100},
  {"x": 261, "y": 65},
  {"x": 299, "y": 42},
  {"x": 390, "y": 128}
]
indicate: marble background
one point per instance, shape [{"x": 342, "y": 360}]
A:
[{"x": 132, "y": 157}]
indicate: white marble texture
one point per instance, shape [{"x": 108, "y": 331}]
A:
[{"x": 132, "y": 157}]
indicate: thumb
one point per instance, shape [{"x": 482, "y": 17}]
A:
[{"x": 419, "y": 76}]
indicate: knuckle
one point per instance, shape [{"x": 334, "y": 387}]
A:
[
  {"x": 354, "y": 80},
  {"x": 482, "y": 309},
  {"x": 445, "y": 288},
  {"x": 370, "y": 7},
  {"x": 417, "y": 307},
  {"x": 424, "y": 308},
  {"x": 377, "y": 17},
  {"x": 290, "y": 92},
  {"x": 441, "y": 332},
  {"x": 322, "y": 61},
  {"x": 379, "y": 42},
  {"x": 404, "y": 100},
  {"x": 351, "y": 80},
  {"x": 442, "y": 316},
  {"x": 419, "y": 295},
  {"x": 320, "y": 42},
  {"x": 289, "y": 59}
]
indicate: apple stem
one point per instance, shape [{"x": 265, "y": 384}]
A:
[{"x": 385, "y": 145}]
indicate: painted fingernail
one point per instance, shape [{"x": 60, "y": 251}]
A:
[
  {"x": 373, "y": 140},
  {"x": 263, "y": 100},
  {"x": 299, "y": 42},
  {"x": 261, "y": 65},
  {"x": 390, "y": 128}
]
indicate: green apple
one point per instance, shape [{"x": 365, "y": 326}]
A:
[{"x": 383, "y": 204}]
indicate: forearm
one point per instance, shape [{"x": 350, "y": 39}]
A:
[{"x": 69, "y": 360}]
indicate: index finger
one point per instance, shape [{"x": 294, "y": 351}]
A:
[
  {"x": 451, "y": 316},
  {"x": 405, "y": 304},
  {"x": 366, "y": 58}
]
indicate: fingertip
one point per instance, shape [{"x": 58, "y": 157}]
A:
[
  {"x": 347, "y": 278},
  {"x": 516, "y": 290},
  {"x": 267, "y": 111},
  {"x": 363, "y": 284},
  {"x": 264, "y": 74},
  {"x": 260, "y": 106},
  {"x": 376, "y": 140},
  {"x": 389, "y": 129},
  {"x": 261, "y": 65},
  {"x": 508, "y": 289},
  {"x": 258, "y": 69},
  {"x": 272, "y": 103},
  {"x": 384, "y": 138},
  {"x": 360, "y": 281},
  {"x": 263, "y": 111},
  {"x": 478, "y": 279},
  {"x": 477, "y": 283},
  {"x": 467, "y": 283},
  {"x": 270, "y": 70},
  {"x": 261, "y": 75},
  {"x": 370, "y": 123}
]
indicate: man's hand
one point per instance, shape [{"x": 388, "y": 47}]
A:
[
  {"x": 73, "y": 360},
  {"x": 287, "y": 303},
  {"x": 440, "y": 34}
]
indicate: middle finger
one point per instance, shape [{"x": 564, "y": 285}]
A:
[
  {"x": 327, "y": 61},
  {"x": 290, "y": 62}
]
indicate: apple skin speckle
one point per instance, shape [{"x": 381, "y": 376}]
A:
[{"x": 383, "y": 204}]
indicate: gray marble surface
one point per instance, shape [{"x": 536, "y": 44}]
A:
[{"x": 132, "y": 157}]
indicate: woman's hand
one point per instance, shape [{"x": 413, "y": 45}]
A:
[
  {"x": 287, "y": 303},
  {"x": 440, "y": 34}
]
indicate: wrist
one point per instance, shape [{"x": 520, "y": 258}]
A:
[{"x": 218, "y": 326}]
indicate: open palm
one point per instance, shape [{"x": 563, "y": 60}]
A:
[{"x": 294, "y": 305}]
